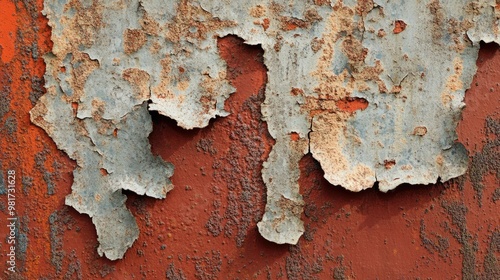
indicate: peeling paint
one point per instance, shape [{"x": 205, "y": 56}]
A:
[{"x": 110, "y": 60}]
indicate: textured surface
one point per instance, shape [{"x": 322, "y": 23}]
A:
[
  {"x": 110, "y": 58},
  {"x": 206, "y": 227}
]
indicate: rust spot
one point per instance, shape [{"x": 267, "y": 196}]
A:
[
  {"x": 104, "y": 172},
  {"x": 381, "y": 33},
  {"x": 290, "y": 205},
  {"x": 139, "y": 79},
  {"x": 207, "y": 102},
  {"x": 440, "y": 160},
  {"x": 149, "y": 25},
  {"x": 406, "y": 167},
  {"x": 181, "y": 69},
  {"x": 277, "y": 45},
  {"x": 294, "y": 136},
  {"x": 316, "y": 44},
  {"x": 388, "y": 164},
  {"x": 115, "y": 132},
  {"x": 187, "y": 19},
  {"x": 321, "y": 2},
  {"x": 396, "y": 89},
  {"x": 312, "y": 15},
  {"x": 63, "y": 69},
  {"x": 289, "y": 24},
  {"x": 354, "y": 50},
  {"x": 74, "y": 106},
  {"x": 437, "y": 18},
  {"x": 297, "y": 91},
  {"x": 258, "y": 11},
  {"x": 351, "y": 104},
  {"x": 399, "y": 26},
  {"x": 133, "y": 40},
  {"x": 183, "y": 85},
  {"x": 98, "y": 107},
  {"x": 364, "y": 7},
  {"x": 266, "y": 23},
  {"x": 420, "y": 130}
]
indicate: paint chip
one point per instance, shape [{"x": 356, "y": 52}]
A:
[{"x": 399, "y": 26}]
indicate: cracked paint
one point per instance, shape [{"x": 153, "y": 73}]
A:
[{"x": 369, "y": 104}]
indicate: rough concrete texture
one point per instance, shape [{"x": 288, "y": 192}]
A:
[
  {"x": 206, "y": 227},
  {"x": 373, "y": 90}
]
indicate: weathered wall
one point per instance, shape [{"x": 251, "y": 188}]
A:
[{"x": 206, "y": 226}]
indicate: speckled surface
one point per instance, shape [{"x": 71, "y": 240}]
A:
[{"x": 206, "y": 227}]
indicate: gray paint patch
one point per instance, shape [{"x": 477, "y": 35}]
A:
[{"x": 411, "y": 61}]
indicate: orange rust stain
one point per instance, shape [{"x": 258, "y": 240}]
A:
[
  {"x": 352, "y": 104},
  {"x": 265, "y": 23},
  {"x": 289, "y": 26},
  {"x": 104, "y": 172},
  {"x": 322, "y": 2},
  {"x": 420, "y": 130},
  {"x": 396, "y": 89},
  {"x": 74, "y": 106},
  {"x": 388, "y": 164},
  {"x": 294, "y": 136},
  {"x": 7, "y": 29},
  {"x": 381, "y": 33},
  {"x": 399, "y": 26},
  {"x": 297, "y": 91}
]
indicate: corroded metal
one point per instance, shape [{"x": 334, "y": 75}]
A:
[{"x": 409, "y": 63}]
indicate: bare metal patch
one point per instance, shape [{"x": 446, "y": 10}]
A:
[{"x": 372, "y": 89}]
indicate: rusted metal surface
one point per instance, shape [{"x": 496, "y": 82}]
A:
[
  {"x": 109, "y": 58},
  {"x": 206, "y": 226}
]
